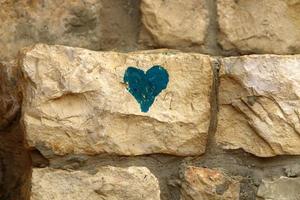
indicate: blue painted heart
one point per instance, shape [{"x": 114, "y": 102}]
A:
[{"x": 146, "y": 86}]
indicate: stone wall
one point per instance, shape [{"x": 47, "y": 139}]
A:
[{"x": 164, "y": 99}]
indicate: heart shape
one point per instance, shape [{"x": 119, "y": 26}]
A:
[{"x": 146, "y": 86}]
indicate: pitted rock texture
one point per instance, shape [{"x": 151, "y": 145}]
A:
[
  {"x": 87, "y": 24},
  {"x": 282, "y": 188},
  {"x": 75, "y": 102},
  {"x": 175, "y": 23},
  {"x": 259, "y": 26},
  {"x": 208, "y": 184},
  {"x": 113, "y": 183},
  {"x": 260, "y": 104}
]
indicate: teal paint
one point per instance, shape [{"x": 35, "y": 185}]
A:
[{"x": 146, "y": 86}]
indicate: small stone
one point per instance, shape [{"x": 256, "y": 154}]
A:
[
  {"x": 175, "y": 23},
  {"x": 202, "y": 183},
  {"x": 132, "y": 183},
  {"x": 282, "y": 188},
  {"x": 292, "y": 170},
  {"x": 259, "y": 26}
]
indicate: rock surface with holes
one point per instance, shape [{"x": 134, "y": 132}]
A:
[
  {"x": 175, "y": 23},
  {"x": 259, "y": 26},
  {"x": 282, "y": 188},
  {"x": 114, "y": 183},
  {"x": 75, "y": 102},
  {"x": 260, "y": 104},
  {"x": 203, "y": 183}
]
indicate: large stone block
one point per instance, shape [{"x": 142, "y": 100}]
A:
[
  {"x": 76, "y": 102},
  {"x": 113, "y": 183},
  {"x": 282, "y": 188},
  {"x": 175, "y": 23},
  {"x": 209, "y": 184},
  {"x": 260, "y": 104},
  {"x": 260, "y": 26}
]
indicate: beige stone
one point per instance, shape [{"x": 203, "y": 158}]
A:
[
  {"x": 75, "y": 102},
  {"x": 282, "y": 188},
  {"x": 208, "y": 184},
  {"x": 260, "y": 104},
  {"x": 259, "y": 26},
  {"x": 175, "y": 23},
  {"x": 109, "y": 183}
]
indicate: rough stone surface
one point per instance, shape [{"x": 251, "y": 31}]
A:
[
  {"x": 259, "y": 26},
  {"x": 282, "y": 188},
  {"x": 113, "y": 183},
  {"x": 175, "y": 23},
  {"x": 88, "y": 24},
  {"x": 208, "y": 184},
  {"x": 75, "y": 101},
  {"x": 14, "y": 160},
  {"x": 9, "y": 94},
  {"x": 260, "y": 104},
  {"x": 79, "y": 116}
]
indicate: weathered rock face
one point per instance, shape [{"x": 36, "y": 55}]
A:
[
  {"x": 260, "y": 105},
  {"x": 175, "y": 23},
  {"x": 259, "y": 26},
  {"x": 75, "y": 101},
  {"x": 208, "y": 184},
  {"x": 113, "y": 183},
  {"x": 282, "y": 188},
  {"x": 73, "y": 23}
]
